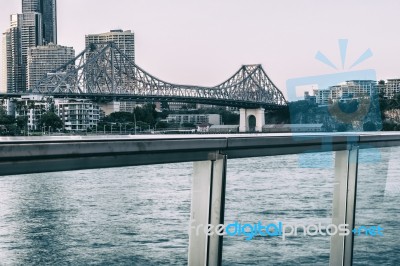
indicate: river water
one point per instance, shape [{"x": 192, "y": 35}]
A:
[{"x": 140, "y": 215}]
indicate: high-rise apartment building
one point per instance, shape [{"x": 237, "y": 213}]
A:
[
  {"x": 12, "y": 69},
  {"x": 124, "y": 40},
  {"x": 29, "y": 25},
  {"x": 44, "y": 59},
  {"x": 31, "y": 34},
  {"x": 30, "y": 6},
  {"x": 48, "y": 9},
  {"x": 22, "y": 35}
]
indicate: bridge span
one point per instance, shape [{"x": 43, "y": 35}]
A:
[{"x": 104, "y": 72}]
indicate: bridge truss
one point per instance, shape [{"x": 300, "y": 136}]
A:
[{"x": 102, "y": 71}]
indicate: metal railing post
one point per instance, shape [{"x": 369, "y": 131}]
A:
[
  {"x": 208, "y": 204},
  {"x": 344, "y": 205}
]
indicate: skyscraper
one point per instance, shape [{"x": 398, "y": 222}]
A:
[
  {"x": 31, "y": 6},
  {"x": 22, "y": 34},
  {"x": 12, "y": 62},
  {"x": 48, "y": 9},
  {"x": 31, "y": 33},
  {"x": 29, "y": 25},
  {"x": 125, "y": 41}
]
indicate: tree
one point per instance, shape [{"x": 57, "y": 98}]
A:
[
  {"x": 142, "y": 125},
  {"x": 229, "y": 118},
  {"x": 390, "y": 126},
  {"x": 5, "y": 119},
  {"x": 188, "y": 125},
  {"x": 344, "y": 127},
  {"x": 50, "y": 119},
  {"x": 369, "y": 126},
  {"x": 350, "y": 112},
  {"x": 164, "y": 105},
  {"x": 120, "y": 117},
  {"x": 7, "y": 123},
  {"x": 162, "y": 125},
  {"x": 164, "y": 114},
  {"x": 22, "y": 122},
  {"x": 147, "y": 114}
]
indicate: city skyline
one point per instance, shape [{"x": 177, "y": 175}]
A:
[{"x": 203, "y": 43}]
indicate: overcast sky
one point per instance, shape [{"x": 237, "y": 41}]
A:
[{"x": 203, "y": 42}]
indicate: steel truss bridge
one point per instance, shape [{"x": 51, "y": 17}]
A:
[{"x": 102, "y": 72}]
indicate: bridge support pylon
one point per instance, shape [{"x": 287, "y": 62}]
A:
[{"x": 252, "y": 120}]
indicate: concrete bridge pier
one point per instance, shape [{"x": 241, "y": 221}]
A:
[{"x": 252, "y": 120}]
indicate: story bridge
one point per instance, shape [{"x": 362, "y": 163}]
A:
[{"x": 102, "y": 72}]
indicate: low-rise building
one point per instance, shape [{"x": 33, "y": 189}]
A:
[
  {"x": 391, "y": 88},
  {"x": 288, "y": 128},
  {"x": 32, "y": 106},
  {"x": 196, "y": 119},
  {"x": 203, "y": 128},
  {"x": 309, "y": 98},
  {"x": 77, "y": 114},
  {"x": 322, "y": 97},
  {"x": 8, "y": 106},
  {"x": 176, "y": 106},
  {"x": 224, "y": 129},
  {"x": 114, "y": 106},
  {"x": 347, "y": 91}
]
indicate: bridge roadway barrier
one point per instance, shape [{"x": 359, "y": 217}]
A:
[{"x": 26, "y": 155}]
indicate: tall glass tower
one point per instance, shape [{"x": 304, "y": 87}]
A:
[{"x": 48, "y": 9}]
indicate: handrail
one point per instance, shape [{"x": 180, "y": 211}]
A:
[{"x": 24, "y": 155}]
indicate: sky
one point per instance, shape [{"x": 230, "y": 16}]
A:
[{"x": 203, "y": 42}]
